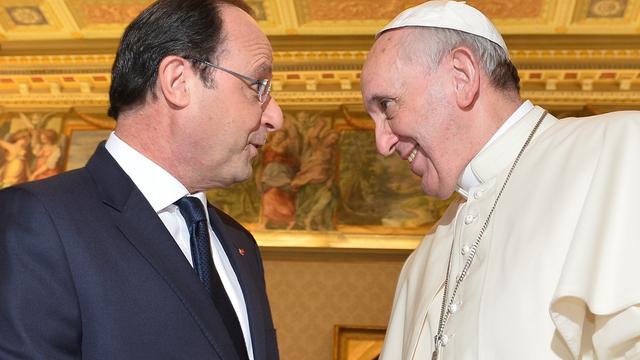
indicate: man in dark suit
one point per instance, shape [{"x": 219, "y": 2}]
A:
[{"x": 120, "y": 260}]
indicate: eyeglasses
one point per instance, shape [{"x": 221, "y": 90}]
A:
[{"x": 263, "y": 86}]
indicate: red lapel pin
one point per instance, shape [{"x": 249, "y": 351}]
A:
[{"x": 241, "y": 251}]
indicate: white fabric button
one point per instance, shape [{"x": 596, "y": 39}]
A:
[
  {"x": 445, "y": 340},
  {"x": 453, "y": 308},
  {"x": 465, "y": 250},
  {"x": 478, "y": 194},
  {"x": 469, "y": 219}
]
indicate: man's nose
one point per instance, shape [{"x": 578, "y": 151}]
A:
[
  {"x": 386, "y": 140},
  {"x": 272, "y": 115}
]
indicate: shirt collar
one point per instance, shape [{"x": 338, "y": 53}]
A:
[
  {"x": 159, "y": 187},
  {"x": 468, "y": 179}
]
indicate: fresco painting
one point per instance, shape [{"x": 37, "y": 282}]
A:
[
  {"x": 293, "y": 180},
  {"x": 380, "y": 192},
  {"x": 31, "y": 147},
  {"x": 316, "y": 174},
  {"x": 82, "y": 144}
]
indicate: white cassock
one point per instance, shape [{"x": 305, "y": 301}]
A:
[{"x": 557, "y": 273}]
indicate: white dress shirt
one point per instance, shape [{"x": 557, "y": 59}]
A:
[{"x": 161, "y": 189}]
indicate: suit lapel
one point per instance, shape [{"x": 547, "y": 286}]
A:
[
  {"x": 239, "y": 258},
  {"x": 141, "y": 226}
]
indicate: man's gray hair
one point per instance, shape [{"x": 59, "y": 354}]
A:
[{"x": 439, "y": 42}]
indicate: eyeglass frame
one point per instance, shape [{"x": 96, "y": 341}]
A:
[{"x": 264, "y": 85}]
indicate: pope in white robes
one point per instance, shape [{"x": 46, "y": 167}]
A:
[{"x": 547, "y": 218}]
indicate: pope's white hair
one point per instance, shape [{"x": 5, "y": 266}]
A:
[{"x": 431, "y": 45}]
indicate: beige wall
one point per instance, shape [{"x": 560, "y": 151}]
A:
[{"x": 311, "y": 291}]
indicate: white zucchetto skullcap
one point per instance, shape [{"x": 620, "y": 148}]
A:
[{"x": 448, "y": 15}]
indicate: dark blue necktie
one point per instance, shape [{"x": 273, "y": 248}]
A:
[{"x": 193, "y": 212}]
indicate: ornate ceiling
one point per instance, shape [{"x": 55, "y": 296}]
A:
[
  {"x": 582, "y": 55},
  {"x": 53, "y": 20}
]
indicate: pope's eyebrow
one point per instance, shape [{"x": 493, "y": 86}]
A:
[{"x": 375, "y": 99}]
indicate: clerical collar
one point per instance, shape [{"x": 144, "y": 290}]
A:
[{"x": 468, "y": 179}]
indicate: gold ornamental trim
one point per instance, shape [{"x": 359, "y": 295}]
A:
[
  {"x": 567, "y": 56},
  {"x": 334, "y": 240},
  {"x": 332, "y": 78}
]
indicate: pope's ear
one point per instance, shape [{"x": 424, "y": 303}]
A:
[
  {"x": 466, "y": 76},
  {"x": 173, "y": 80}
]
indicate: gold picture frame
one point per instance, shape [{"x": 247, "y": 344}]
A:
[
  {"x": 357, "y": 342},
  {"x": 336, "y": 240}
]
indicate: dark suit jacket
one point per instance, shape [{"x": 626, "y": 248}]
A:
[{"x": 88, "y": 270}]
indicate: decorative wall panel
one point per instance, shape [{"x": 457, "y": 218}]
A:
[
  {"x": 310, "y": 294},
  {"x": 97, "y": 13}
]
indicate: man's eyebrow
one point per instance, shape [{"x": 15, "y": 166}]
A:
[{"x": 263, "y": 67}]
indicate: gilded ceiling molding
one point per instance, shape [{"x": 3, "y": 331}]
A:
[
  {"x": 60, "y": 102},
  {"x": 329, "y": 98},
  {"x": 575, "y": 76},
  {"x": 287, "y": 57},
  {"x": 623, "y": 99},
  {"x": 64, "y": 61},
  {"x": 566, "y": 56},
  {"x": 629, "y": 99},
  {"x": 575, "y": 58}
]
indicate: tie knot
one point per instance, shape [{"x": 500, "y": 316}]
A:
[{"x": 191, "y": 209}]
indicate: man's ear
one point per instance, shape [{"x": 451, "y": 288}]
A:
[
  {"x": 466, "y": 76},
  {"x": 173, "y": 80}
]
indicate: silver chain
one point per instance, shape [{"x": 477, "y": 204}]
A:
[{"x": 445, "y": 311}]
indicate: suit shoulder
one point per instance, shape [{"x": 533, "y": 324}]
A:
[
  {"x": 55, "y": 191},
  {"x": 232, "y": 223},
  {"x": 64, "y": 181},
  {"x": 15, "y": 195},
  {"x": 226, "y": 218}
]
